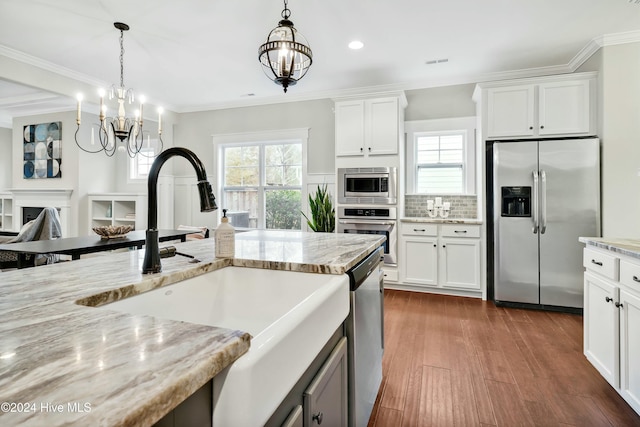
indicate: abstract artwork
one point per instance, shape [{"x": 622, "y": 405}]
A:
[{"x": 42, "y": 150}]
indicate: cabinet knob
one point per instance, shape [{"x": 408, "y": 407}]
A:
[
  {"x": 608, "y": 299},
  {"x": 435, "y": 246},
  {"x": 541, "y": 126},
  {"x": 635, "y": 279},
  {"x": 444, "y": 246},
  {"x": 317, "y": 417},
  {"x": 619, "y": 305},
  {"x": 361, "y": 149},
  {"x": 369, "y": 149},
  {"x": 530, "y": 127}
]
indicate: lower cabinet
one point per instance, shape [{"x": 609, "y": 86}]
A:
[
  {"x": 612, "y": 320},
  {"x": 601, "y": 330},
  {"x": 630, "y": 349},
  {"x": 320, "y": 397},
  {"x": 325, "y": 401},
  {"x": 444, "y": 256}
]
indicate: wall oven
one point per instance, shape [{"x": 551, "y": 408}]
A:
[
  {"x": 372, "y": 220},
  {"x": 371, "y": 186}
]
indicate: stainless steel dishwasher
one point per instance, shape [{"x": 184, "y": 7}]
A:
[{"x": 365, "y": 335}]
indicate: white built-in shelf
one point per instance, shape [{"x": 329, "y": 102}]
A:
[{"x": 116, "y": 208}]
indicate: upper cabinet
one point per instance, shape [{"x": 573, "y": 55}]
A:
[
  {"x": 369, "y": 127},
  {"x": 543, "y": 107}
]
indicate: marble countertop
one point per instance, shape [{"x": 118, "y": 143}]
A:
[
  {"x": 470, "y": 221},
  {"x": 57, "y": 357},
  {"x": 629, "y": 247}
]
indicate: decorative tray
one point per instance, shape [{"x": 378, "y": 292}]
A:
[{"x": 113, "y": 231}]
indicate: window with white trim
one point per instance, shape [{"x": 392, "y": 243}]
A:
[
  {"x": 261, "y": 183},
  {"x": 140, "y": 165},
  {"x": 441, "y": 156},
  {"x": 440, "y": 164}
]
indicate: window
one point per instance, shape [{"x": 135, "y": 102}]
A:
[
  {"x": 261, "y": 182},
  {"x": 441, "y": 156},
  {"x": 440, "y": 164},
  {"x": 140, "y": 165}
]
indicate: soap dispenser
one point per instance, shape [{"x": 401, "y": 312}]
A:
[{"x": 225, "y": 238}]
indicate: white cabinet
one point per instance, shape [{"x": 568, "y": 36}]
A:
[
  {"x": 612, "y": 320},
  {"x": 542, "y": 107},
  {"x": 601, "y": 337},
  {"x": 118, "y": 209},
  {"x": 510, "y": 111},
  {"x": 460, "y": 263},
  {"x": 630, "y": 348},
  {"x": 564, "y": 107},
  {"x": 443, "y": 256},
  {"x": 6, "y": 212},
  {"x": 368, "y": 127}
]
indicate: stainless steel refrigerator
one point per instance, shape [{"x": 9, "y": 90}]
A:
[{"x": 545, "y": 194}]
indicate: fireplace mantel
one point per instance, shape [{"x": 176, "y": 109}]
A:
[
  {"x": 59, "y": 198},
  {"x": 47, "y": 192}
]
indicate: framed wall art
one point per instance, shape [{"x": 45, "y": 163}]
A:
[{"x": 42, "y": 151}]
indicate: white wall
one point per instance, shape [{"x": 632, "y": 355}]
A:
[
  {"x": 621, "y": 141},
  {"x": 619, "y": 131},
  {"x": 6, "y": 164},
  {"x": 81, "y": 172},
  {"x": 440, "y": 103},
  {"x": 195, "y": 130}
]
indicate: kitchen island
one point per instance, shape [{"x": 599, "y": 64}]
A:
[{"x": 62, "y": 363}]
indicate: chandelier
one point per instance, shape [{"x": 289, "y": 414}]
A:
[
  {"x": 286, "y": 56},
  {"x": 120, "y": 127}
]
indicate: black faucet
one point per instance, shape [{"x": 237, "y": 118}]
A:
[{"x": 207, "y": 203}]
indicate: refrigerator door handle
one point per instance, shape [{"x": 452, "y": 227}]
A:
[
  {"x": 536, "y": 223},
  {"x": 543, "y": 202}
]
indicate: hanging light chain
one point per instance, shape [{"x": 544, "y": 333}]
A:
[
  {"x": 286, "y": 13},
  {"x": 121, "y": 58}
]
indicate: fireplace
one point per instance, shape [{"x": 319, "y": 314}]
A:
[
  {"x": 27, "y": 204},
  {"x": 31, "y": 213}
]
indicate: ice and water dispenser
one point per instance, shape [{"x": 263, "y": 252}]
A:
[{"x": 516, "y": 201}]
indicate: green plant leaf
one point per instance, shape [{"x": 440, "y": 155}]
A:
[{"x": 322, "y": 211}]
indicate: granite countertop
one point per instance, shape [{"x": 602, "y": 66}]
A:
[
  {"x": 629, "y": 247},
  {"x": 62, "y": 363},
  {"x": 470, "y": 221}
]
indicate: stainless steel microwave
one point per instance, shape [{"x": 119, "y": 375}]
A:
[{"x": 368, "y": 186}]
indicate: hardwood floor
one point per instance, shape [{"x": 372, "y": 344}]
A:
[{"x": 453, "y": 361}]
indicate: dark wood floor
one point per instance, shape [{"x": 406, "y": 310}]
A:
[{"x": 453, "y": 361}]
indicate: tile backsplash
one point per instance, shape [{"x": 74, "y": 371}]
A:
[{"x": 461, "y": 206}]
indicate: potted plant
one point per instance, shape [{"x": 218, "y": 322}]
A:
[{"x": 323, "y": 215}]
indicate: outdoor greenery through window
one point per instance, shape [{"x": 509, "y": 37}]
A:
[
  {"x": 440, "y": 163},
  {"x": 262, "y": 184}
]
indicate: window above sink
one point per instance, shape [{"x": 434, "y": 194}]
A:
[{"x": 441, "y": 156}]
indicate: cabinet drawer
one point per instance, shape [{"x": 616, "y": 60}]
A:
[
  {"x": 630, "y": 274},
  {"x": 418, "y": 229},
  {"x": 459, "y": 230},
  {"x": 601, "y": 263}
]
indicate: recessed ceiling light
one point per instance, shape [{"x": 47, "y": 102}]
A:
[{"x": 356, "y": 44}]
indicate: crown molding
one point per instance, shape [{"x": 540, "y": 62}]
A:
[
  {"x": 619, "y": 38},
  {"x": 584, "y": 54},
  {"x": 49, "y": 66}
]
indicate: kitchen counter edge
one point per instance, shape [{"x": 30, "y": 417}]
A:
[{"x": 628, "y": 247}]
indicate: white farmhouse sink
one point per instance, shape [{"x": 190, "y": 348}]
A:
[{"x": 290, "y": 316}]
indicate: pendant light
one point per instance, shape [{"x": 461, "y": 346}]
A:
[
  {"x": 286, "y": 55},
  {"x": 127, "y": 129}
]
